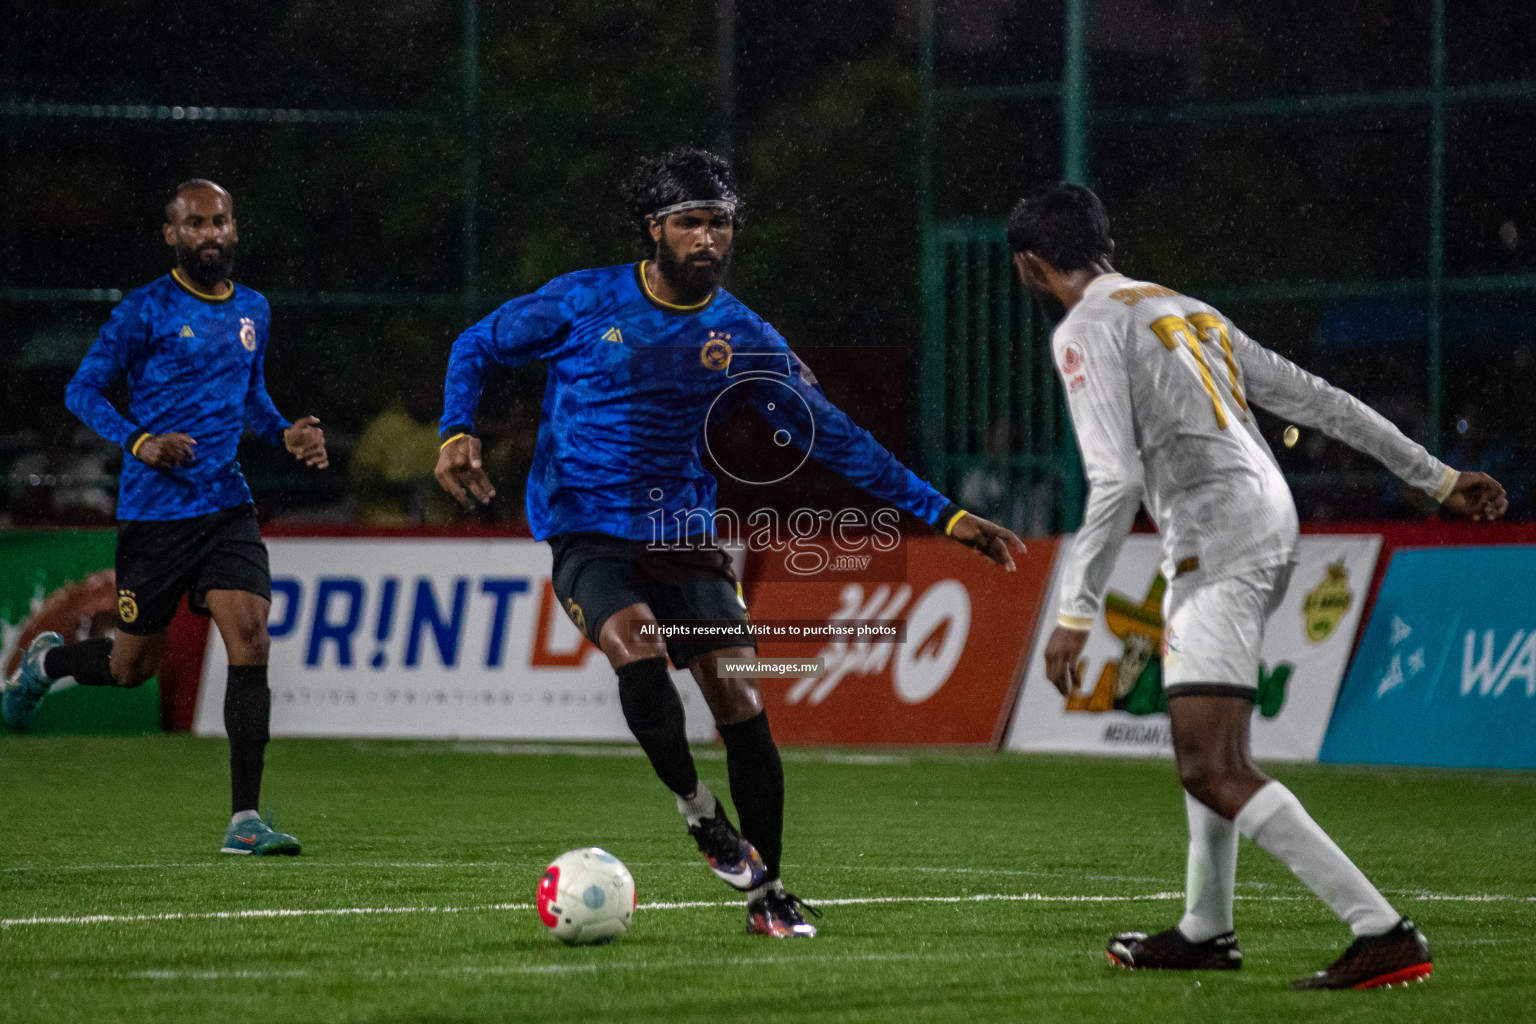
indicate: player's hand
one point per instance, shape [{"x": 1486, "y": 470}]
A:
[
  {"x": 166, "y": 451},
  {"x": 1064, "y": 659},
  {"x": 460, "y": 473},
  {"x": 1478, "y": 497},
  {"x": 987, "y": 537},
  {"x": 306, "y": 441}
]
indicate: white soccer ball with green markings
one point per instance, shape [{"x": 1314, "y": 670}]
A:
[{"x": 586, "y": 897}]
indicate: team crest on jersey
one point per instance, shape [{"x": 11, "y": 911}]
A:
[
  {"x": 248, "y": 333},
  {"x": 1072, "y": 360},
  {"x": 127, "y": 607},
  {"x": 1326, "y": 603},
  {"x": 1072, "y": 367},
  {"x": 716, "y": 353}
]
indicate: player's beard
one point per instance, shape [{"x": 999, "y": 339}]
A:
[
  {"x": 211, "y": 271},
  {"x": 692, "y": 281}
]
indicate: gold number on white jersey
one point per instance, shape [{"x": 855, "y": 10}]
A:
[
  {"x": 1175, "y": 330},
  {"x": 1207, "y": 323}
]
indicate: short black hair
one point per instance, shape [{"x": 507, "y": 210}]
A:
[
  {"x": 1065, "y": 225},
  {"x": 679, "y": 176},
  {"x": 190, "y": 183}
]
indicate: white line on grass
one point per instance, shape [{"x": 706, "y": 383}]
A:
[
  {"x": 222, "y": 915},
  {"x": 1026, "y": 897},
  {"x": 476, "y": 970}
]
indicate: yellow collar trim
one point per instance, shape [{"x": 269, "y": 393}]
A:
[
  {"x": 645, "y": 286},
  {"x": 205, "y": 296}
]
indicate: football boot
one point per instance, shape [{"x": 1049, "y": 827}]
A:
[
  {"x": 776, "y": 913},
  {"x": 253, "y": 836},
  {"x": 730, "y": 856},
  {"x": 1395, "y": 957},
  {"x": 28, "y": 685},
  {"x": 1171, "y": 951}
]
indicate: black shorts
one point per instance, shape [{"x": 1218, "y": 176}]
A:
[
  {"x": 596, "y": 574},
  {"x": 159, "y": 560}
]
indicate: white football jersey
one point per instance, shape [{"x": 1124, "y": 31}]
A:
[{"x": 1160, "y": 387}]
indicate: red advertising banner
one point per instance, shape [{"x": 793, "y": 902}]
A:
[{"x": 952, "y": 680}]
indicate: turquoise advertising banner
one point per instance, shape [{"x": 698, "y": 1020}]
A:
[{"x": 1446, "y": 673}]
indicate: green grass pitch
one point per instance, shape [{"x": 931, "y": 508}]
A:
[{"x": 956, "y": 886}]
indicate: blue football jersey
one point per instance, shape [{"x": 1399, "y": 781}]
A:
[
  {"x": 194, "y": 366},
  {"x": 633, "y": 381}
]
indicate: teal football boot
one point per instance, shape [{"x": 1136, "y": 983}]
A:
[
  {"x": 254, "y": 836},
  {"x": 25, "y": 690}
]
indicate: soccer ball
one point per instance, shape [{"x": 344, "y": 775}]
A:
[{"x": 586, "y": 897}]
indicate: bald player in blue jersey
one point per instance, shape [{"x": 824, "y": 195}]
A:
[
  {"x": 191, "y": 346},
  {"x": 639, "y": 356}
]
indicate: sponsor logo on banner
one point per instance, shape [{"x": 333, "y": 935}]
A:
[
  {"x": 1134, "y": 682},
  {"x": 1446, "y": 672},
  {"x": 1327, "y": 602},
  {"x": 951, "y": 677},
  {"x": 405, "y": 637},
  {"x": 1306, "y": 647}
]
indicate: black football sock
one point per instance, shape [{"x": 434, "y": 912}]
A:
[
  {"x": 89, "y": 661},
  {"x": 247, "y": 707},
  {"x": 757, "y": 786},
  {"x": 654, "y": 713}
]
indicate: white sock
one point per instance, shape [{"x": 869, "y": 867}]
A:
[
  {"x": 243, "y": 816},
  {"x": 1275, "y": 819},
  {"x": 701, "y": 805},
  {"x": 1210, "y": 875},
  {"x": 777, "y": 885}
]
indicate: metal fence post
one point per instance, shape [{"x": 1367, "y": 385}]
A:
[
  {"x": 469, "y": 295},
  {"x": 932, "y": 271},
  {"x": 1436, "y": 397}
]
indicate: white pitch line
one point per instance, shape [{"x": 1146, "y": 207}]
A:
[
  {"x": 476, "y": 970},
  {"x": 1027, "y": 897},
  {"x": 224, "y": 915}
]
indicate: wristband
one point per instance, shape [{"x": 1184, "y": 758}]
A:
[
  {"x": 953, "y": 520},
  {"x": 1073, "y": 622},
  {"x": 450, "y": 441},
  {"x": 1447, "y": 485},
  {"x": 144, "y": 435}
]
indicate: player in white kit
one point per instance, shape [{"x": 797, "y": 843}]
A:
[{"x": 1160, "y": 386}]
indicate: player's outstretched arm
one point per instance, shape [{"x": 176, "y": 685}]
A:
[
  {"x": 1476, "y": 496},
  {"x": 1279, "y": 385},
  {"x": 306, "y": 441},
  {"x": 995, "y": 542},
  {"x": 460, "y": 472}
]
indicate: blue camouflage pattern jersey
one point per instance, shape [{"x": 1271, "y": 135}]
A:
[
  {"x": 194, "y": 366},
  {"x": 632, "y": 381}
]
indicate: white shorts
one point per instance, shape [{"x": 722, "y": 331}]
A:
[{"x": 1215, "y": 631}]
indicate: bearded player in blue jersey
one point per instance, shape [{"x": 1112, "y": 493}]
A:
[
  {"x": 638, "y": 356},
  {"x": 191, "y": 345}
]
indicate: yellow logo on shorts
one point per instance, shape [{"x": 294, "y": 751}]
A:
[
  {"x": 1326, "y": 604},
  {"x": 127, "y": 607},
  {"x": 248, "y": 333},
  {"x": 716, "y": 353},
  {"x": 577, "y": 615}
]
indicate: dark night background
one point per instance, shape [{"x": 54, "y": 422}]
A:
[{"x": 826, "y": 103}]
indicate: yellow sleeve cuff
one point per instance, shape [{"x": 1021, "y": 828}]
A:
[
  {"x": 1073, "y": 622},
  {"x": 1447, "y": 485},
  {"x": 450, "y": 441},
  {"x": 953, "y": 520}
]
